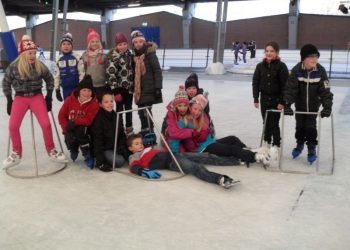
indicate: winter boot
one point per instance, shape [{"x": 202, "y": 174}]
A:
[
  {"x": 311, "y": 154},
  {"x": 73, "y": 155},
  {"x": 227, "y": 182},
  {"x": 297, "y": 150},
  {"x": 89, "y": 162}
]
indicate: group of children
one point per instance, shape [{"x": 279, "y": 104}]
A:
[{"x": 94, "y": 82}]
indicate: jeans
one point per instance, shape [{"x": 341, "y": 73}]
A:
[{"x": 119, "y": 160}]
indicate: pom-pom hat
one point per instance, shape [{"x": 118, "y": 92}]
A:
[
  {"x": 181, "y": 96},
  {"x": 26, "y": 44},
  {"x": 202, "y": 100}
]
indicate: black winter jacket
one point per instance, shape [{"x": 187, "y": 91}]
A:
[
  {"x": 269, "y": 81},
  {"x": 103, "y": 135},
  {"x": 152, "y": 79},
  {"x": 308, "y": 89}
]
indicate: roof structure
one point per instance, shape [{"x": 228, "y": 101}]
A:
[{"x": 24, "y": 7}]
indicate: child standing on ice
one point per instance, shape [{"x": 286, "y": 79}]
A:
[
  {"x": 308, "y": 87},
  {"x": 68, "y": 74},
  {"x": 269, "y": 80},
  {"x": 120, "y": 77},
  {"x": 94, "y": 62},
  {"x": 25, "y": 75}
]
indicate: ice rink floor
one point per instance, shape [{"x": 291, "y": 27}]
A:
[{"x": 88, "y": 209}]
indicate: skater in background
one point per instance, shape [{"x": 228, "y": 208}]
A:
[
  {"x": 103, "y": 135},
  {"x": 308, "y": 87},
  {"x": 120, "y": 77},
  {"x": 243, "y": 51},
  {"x": 94, "y": 62},
  {"x": 236, "y": 48},
  {"x": 269, "y": 80},
  {"x": 75, "y": 117},
  {"x": 252, "y": 48},
  {"x": 146, "y": 161},
  {"x": 148, "y": 82},
  {"x": 68, "y": 74},
  {"x": 25, "y": 75}
]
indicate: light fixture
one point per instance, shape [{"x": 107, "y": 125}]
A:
[{"x": 134, "y": 5}]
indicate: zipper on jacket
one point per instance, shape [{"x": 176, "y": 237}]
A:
[{"x": 307, "y": 91}]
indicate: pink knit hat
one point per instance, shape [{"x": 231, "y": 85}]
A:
[
  {"x": 92, "y": 34},
  {"x": 26, "y": 44},
  {"x": 202, "y": 100},
  {"x": 181, "y": 96}
]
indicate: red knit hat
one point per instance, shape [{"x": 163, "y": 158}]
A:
[
  {"x": 26, "y": 44},
  {"x": 181, "y": 96},
  {"x": 120, "y": 38},
  {"x": 92, "y": 34}
]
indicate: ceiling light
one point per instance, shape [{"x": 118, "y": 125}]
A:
[{"x": 134, "y": 5}]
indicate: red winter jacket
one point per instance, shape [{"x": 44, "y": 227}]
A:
[{"x": 83, "y": 114}]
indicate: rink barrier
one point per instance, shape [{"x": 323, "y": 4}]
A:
[
  {"x": 36, "y": 167},
  {"x": 280, "y": 153},
  {"x": 149, "y": 116}
]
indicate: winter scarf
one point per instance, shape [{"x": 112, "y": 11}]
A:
[
  {"x": 277, "y": 58},
  {"x": 94, "y": 53},
  {"x": 139, "y": 69}
]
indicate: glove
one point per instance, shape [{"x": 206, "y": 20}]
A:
[
  {"x": 158, "y": 94},
  {"x": 150, "y": 174},
  {"x": 58, "y": 95},
  {"x": 325, "y": 113},
  {"x": 70, "y": 126},
  {"x": 70, "y": 140},
  {"x": 9, "y": 105},
  {"x": 118, "y": 98},
  {"x": 48, "y": 101},
  {"x": 105, "y": 167},
  {"x": 288, "y": 110}
]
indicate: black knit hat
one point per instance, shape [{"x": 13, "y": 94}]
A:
[
  {"x": 86, "y": 83},
  {"x": 308, "y": 50},
  {"x": 192, "y": 80}
]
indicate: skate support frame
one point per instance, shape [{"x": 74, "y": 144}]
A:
[
  {"x": 149, "y": 116},
  {"x": 280, "y": 154},
  {"x": 36, "y": 168}
]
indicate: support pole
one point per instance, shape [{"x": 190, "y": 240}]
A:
[
  {"x": 64, "y": 21},
  {"x": 54, "y": 30}
]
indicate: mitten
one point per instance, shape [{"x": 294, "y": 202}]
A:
[
  {"x": 105, "y": 167},
  {"x": 9, "y": 104},
  {"x": 325, "y": 113},
  {"x": 48, "y": 101},
  {"x": 118, "y": 98},
  {"x": 150, "y": 174},
  {"x": 70, "y": 126},
  {"x": 288, "y": 110},
  {"x": 58, "y": 95}
]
